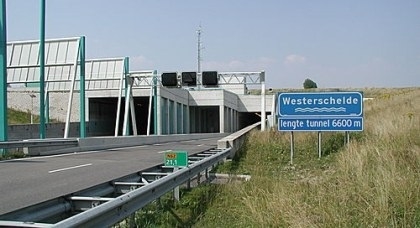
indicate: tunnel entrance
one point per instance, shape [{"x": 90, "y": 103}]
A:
[
  {"x": 103, "y": 115},
  {"x": 204, "y": 119},
  {"x": 247, "y": 118}
]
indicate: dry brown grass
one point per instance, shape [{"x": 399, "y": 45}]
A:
[{"x": 373, "y": 182}]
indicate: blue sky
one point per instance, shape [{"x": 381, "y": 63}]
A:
[{"x": 336, "y": 43}]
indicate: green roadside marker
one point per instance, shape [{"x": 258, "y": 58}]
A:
[{"x": 176, "y": 158}]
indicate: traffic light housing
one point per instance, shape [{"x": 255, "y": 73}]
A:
[
  {"x": 169, "y": 79},
  {"x": 189, "y": 78},
  {"x": 209, "y": 78}
]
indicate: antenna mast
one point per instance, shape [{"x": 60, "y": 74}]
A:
[{"x": 199, "y": 47}]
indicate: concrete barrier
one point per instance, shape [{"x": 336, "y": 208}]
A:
[
  {"x": 56, "y": 130},
  {"x": 234, "y": 141},
  {"x": 110, "y": 142},
  {"x": 237, "y": 139}
]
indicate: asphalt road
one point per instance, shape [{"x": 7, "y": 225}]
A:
[{"x": 29, "y": 181}]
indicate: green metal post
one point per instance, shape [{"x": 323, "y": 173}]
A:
[
  {"x": 155, "y": 102},
  {"x": 42, "y": 73},
  {"x": 3, "y": 74},
  {"x": 47, "y": 107},
  {"x": 82, "y": 88},
  {"x": 127, "y": 96}
]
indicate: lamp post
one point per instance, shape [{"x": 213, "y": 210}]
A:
[{"x": 32, "y": 107}]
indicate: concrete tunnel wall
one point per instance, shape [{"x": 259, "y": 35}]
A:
[{"x": 181, "y": 111}]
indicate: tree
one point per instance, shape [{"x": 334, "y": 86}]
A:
[{"x": 309, "y": 84}]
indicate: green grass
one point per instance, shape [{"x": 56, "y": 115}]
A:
[
  {"x": 19, "y": 117},
  {"x": 373, "y": 182},
  {"x": 166, "y": 212},
  {"x": 15, "y": 117}
]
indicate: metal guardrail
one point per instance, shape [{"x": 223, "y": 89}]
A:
[
  {"x": 106, "y": 211},
  {"x": 39, "y": 143},
  {"x": 123, "y": 206}
]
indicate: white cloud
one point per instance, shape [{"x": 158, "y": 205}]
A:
[
  {"x": 259, "y": 64},
  {"x": 236, "y": 64},
  {"x": 141, "y": 63},
  {"x": 294, "y": 59}
]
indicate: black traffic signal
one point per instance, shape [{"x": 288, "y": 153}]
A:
[
  {"x": 189, "y": 79},
  {"x": 209, "y": 78},
  {"x": 169, "y": 79}
]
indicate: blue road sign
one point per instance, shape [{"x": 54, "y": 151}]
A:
[
  {"x": 322, "y": 111},
  {"x": 321, "y": 124},
  {"x": 320, "y": 104}
]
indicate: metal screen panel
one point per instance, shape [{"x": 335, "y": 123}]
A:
[
  {"x": 104, "y": 73},
  {"x": 61, "y": 56},
  {"x": 60, "y": 61}
]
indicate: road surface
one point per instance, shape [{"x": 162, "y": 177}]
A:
[{"x": 29, "y": 181}]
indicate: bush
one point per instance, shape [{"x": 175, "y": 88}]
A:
[{"x": 309, "y": 84}]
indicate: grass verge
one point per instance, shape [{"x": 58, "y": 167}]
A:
[{"x": 373, "y": 182}]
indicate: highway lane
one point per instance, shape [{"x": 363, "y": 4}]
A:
[{"x": 29, "y": 181}]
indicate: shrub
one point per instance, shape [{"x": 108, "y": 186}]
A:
[{"x": 309, "y": 84}]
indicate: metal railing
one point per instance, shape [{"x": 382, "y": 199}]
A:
[
  {"x": 100, "y": 210},
  {"x": 123, "y": 206},
  {"x": 38, "y": 143}
]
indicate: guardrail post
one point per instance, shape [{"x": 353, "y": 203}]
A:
[
  {"x": 176, "y": 189},
  {"x": 189, "y": 184},
  {"x": 207, "y": 174},
  {"x": 198, "y": 178}
]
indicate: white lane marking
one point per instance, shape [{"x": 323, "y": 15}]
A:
[
  {"x": 130, "y": 147},
  {"x": 68, "y": 168}
]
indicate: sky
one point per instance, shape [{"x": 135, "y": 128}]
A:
[{"x": 336, "y": 43}]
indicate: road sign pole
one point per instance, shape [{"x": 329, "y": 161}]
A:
[
  {"x": 319, "y": 145},
  {"x": 292, "y": 147},
  {"x": 348, "y": 138},
  {"x": 345, "y": 137}
]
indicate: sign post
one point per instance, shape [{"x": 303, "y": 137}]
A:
[
  {"x": 176, "y": 159},
  {"x": 292, "y": 147},
  {"x": 319, "y": 145},
  {"x": 320, "y": 111}
]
